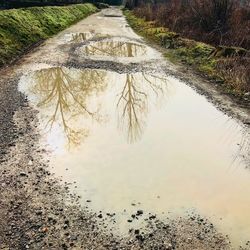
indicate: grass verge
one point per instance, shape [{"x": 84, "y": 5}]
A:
[
  {"x": 228, "y": 67},
  {"x": 22, "y": 28}
]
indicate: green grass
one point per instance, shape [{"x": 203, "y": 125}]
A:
[
  {"x": 203, "y": 58},
  {"x": 21, "y": 28}
]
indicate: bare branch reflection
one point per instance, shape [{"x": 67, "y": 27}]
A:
[
  {"x": 139, "y": 89},
  {"x": 65, "y": 94},
  {"x": 115, "y": 48},
  {"x": 81, "y": 37}
]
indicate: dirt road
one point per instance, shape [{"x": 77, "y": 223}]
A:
[{"x": 103, "y": 146}]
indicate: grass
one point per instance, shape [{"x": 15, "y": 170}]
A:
[
  {"x": 215, "y": 63},
  {"x": 21, "y": 28}
]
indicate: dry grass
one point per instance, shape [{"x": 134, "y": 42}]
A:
[{"x": 235, "y": 71}]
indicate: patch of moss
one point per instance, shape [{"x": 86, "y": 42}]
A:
[
  {"x": 20, "y": 28},
  {"x": 198, "y": 55}
]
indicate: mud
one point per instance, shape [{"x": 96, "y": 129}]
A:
[{"x": 38, "y": 209}]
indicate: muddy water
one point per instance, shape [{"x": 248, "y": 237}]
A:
[
  {"x": 140, "y": 140},
  {"x": 115, "y": 48},
  {"x": 129, "y": 138}
]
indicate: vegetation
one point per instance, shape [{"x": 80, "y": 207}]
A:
[
  {"x": 228, "y": 66},
  {"x": 217, "y": 22},
  {"x": 30, "y": 3},
  {"x": 21, "y": 28}
]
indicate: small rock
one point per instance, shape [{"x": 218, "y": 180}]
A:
[
  {"x": 137, "y": 231},
  {"x": 169, "y": 246},
  {"x": 45, "y": 230},
  {"x": 39, "y": 212},
  {"x": 152, "y": 217},
  {"x": 139, "y": 237},
  {"x": 139, "y": 212},
  {"x": 74, "y": 237}
]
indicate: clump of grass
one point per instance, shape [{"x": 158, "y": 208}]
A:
[
  {"x": 20, "y": 28},
  {"x": 235, "y": 71}
]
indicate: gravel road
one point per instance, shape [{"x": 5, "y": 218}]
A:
[{"x": 37, "y": 209}]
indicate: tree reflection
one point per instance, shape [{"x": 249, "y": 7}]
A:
[
  {"x": 115, "y": 48},
  {"x": 134, "y": 99},
  {"x": 81, "y": 37},
  {"x": 65, "y": 93}
]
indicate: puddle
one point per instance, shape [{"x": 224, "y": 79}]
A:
[
  {"x": 129, "y": 138},
  {"x": 64, "y": 96},
  {"x": 78, "y": 37},
  {"x": 116, "y": 48},
  {"x": 81, "y": 37}
]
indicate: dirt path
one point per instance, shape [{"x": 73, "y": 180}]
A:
[{"x": 38, "y": 209}]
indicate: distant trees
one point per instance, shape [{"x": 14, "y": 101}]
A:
[
  {"x": 130, "y": 4},
  {"x": 111, "y": 2},
  {"x": 27, "y": 3},
  {"x": 219, "y": 22}
]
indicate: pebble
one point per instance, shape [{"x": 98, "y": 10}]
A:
[
  {"x": 137, "y": 231},
  {"x": 139, "y": 212},
  {"x": 39, "y": 212},
  {"x": 23, "y": 174},
  {"x": 169, "y": 246}
]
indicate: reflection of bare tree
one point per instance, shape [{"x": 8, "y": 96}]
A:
[
  {"x": 81, "y": 37},
  {"x": 115, "y": 48},
  {"x": 133, "y": 101},
  {"x": 65, "y": 92}
]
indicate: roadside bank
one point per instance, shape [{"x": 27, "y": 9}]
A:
[
  {"x": 225, "y": 67},
  {"x": 21, "y": 29}
]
